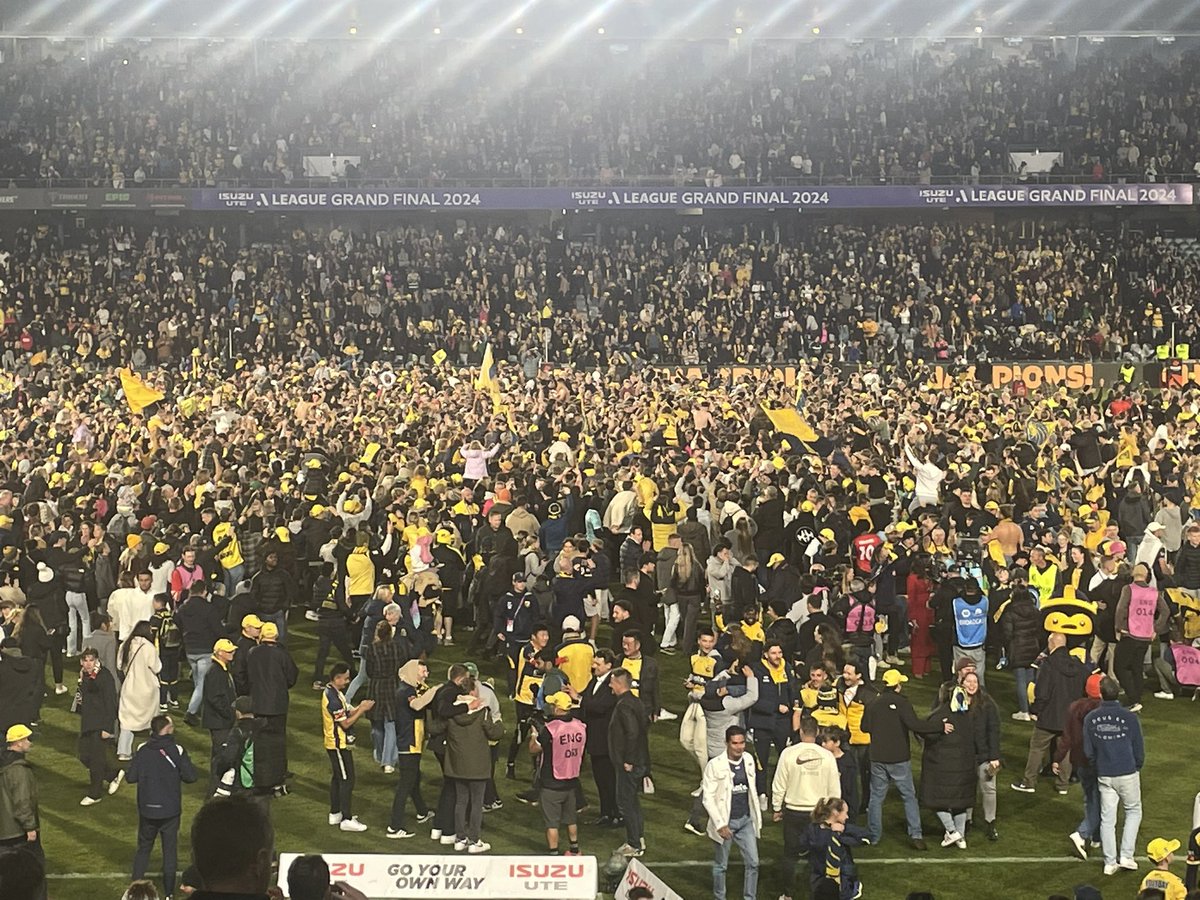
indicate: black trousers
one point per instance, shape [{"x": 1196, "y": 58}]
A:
[
  {"x": 525, "y": 714},
  {"x": 341, "y": 784},
  {"x": 335, "y": 635},
  {"x": 168, "y": 678},
  {"x": 218, "y": 738},
  {"x": 862, "y": 756},
  {"x": 606, "y": 785},
  {"x": 1128, "y": 666},
  {"x": 408, "y": 765},
  {"x": 148, "y": 830},
  {"x": 794, "y": 825},
  {"x": 629, "y": 802},
  {"x": 443, "y": 819},
  {"x": 764, "y": 737},
  {"x": 93, "y": 753},
  {"x": 270, "y": 752}
]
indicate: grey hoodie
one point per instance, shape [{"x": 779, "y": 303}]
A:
[{"x": 732, "y": 712}]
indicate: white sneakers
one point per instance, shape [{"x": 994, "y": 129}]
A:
[
  {"x": 665, "y": 715},
  {"x": 352, "y": 824},
  {"x": 1163, "y": 695},
  {"x": 388, "y": 770},
  {"x": 1020, "y": 716},
  {"x": 1129, "y": 864},
  {"x": 335, "y": 818},
  {"x": 116, "y": 782},
  {"x": 952, "y": 837},
  {"x": 89, "y": 801},
  {"x": 1079, "y": 843},
  {"x": 399, "y": 835},
  {"x": 479, "y": 847}
]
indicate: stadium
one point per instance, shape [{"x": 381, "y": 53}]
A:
[{"x": 599, "y": 449}]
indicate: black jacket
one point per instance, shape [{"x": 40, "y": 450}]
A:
[
  {"x": 273, "y": 590},
  {"x": 202, "y": 624},
  {"x": 1021, "y": 625},
  {"x": 159, "y": 768},
  {"x": 888, "y": 721},
  {"x": 216, "y": 713},
  {"x": 986, "y": 721},
  {"x": 272, "y": 672},
  {"x": 948, "y": 774},
  {"x": 1061, "y": 679},
  {"x": 1187, "y": 566},
  {"x": 595, "y": 708},
  {"x": 646, "y": 684},
  {"x": 627, "y": 733},
  {"x": 241, "y": 663},
  {"x": 97, "y": 702},
  {"x": 17, "y": 685}
]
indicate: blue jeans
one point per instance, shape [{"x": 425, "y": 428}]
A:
[
  {"x": 233, "y": 577},
  {"x": 883, "y": 775},
  {"x": 743, "y": 836},
  {"x": 1024, "y": 676},
  {"x": 200, "y": 663},
  {"x": 1089, "y": 825},
  {"x": 1126, "y": 791},
  {"x": 383, "y": 738}
]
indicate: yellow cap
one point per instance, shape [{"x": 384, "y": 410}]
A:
[
  {"x": 443, "y": 536},
  {"x": 17, "y": 732},
  {"x": 777, "y": 559},
  {"x": 284, "y": 536},
  {"x": 826, "y": 534},
  {"x": 559, "y": 700},
  {"x": 160, "y": 547},
  {"x": 317, "y": 510},
  {"x": 270, "y": 631},
  {"x": 225, "y": 644},
  {"x": 1160, "y": 848},
  {"x": 251, "y": 621},
  {"x": 893, "y": 677}
]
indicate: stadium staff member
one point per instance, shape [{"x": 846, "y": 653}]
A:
[
  {"x": 558, "y": 743},
  {"x": 337, "y": 718},
  {"x": 159, "y": 768}
]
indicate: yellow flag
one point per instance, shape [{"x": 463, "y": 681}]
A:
[
  {"x": 791, "y": 422},
  {"x": 138, "y": 394},
  {"x": 485, "y": 382},
  {"x": 38, "y": 359},
  {"x": 439, "y": 357}
]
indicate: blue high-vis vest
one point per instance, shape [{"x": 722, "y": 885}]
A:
[{"x": 970, "y": 622}]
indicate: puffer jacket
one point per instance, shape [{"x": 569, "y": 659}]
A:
[{"x": 1021, "y": 625}]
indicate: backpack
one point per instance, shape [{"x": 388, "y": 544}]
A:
[
  {"x": 860, "y": 619},
  {"x": 169, "y": 635}
]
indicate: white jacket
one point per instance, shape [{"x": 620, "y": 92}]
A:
[{"x": 717, "y": 793}]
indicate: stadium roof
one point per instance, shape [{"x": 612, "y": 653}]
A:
[{"x": 611, "y": 19}]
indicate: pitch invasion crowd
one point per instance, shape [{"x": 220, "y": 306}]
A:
[
  {"x": 409, "y": 508},
  {"x": 196, "y": 114}
]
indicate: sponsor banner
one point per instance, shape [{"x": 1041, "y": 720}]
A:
[
  {"x": 1072, "y": 376},
  {"x": 884, "y": 196},
  {"x": 383, "y": 876},
  {"x": 734, "y": 374},
  {"x": 638, "y": 875},
  {"x": 437, "y": 199}
]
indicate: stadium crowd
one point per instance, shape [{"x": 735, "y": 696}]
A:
[
  {"x": 885, "y": 294},
  {"x": 197, "y": 114},
  {"x": 796, "y": 542}
]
